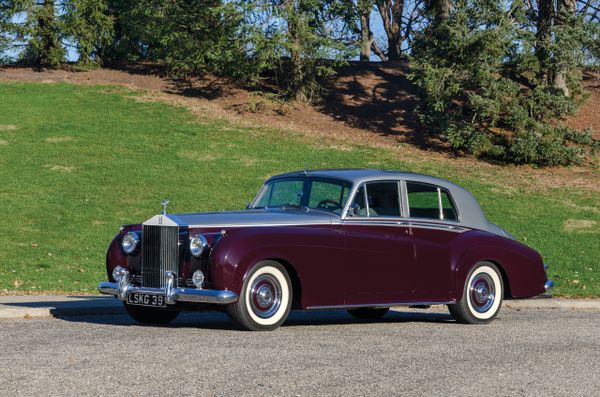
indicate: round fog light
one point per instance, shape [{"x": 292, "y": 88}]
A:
[
  {"x": 198, "y": 279},
  {"x": 116, "y": 273}
]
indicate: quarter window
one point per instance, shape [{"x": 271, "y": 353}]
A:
[{"x": 430, "y": 202}]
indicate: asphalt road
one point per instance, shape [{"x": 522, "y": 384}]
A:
[{"x": 522, "y": 353}]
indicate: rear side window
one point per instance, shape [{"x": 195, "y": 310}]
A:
[{"x": 430, "y": 202}]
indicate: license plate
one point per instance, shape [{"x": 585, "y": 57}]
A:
[{"x": 146, "y": 300}]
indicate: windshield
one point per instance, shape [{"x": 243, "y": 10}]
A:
[{"x": 315, "y": 193}]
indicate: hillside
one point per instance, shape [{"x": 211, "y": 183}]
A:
[
  {"x": 365, "y": 104},
  {"x": 78, "y": 160}
]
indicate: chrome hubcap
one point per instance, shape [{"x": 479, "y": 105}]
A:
[
  {"x": 265, "y": 295},
  {"x": 482, "y": 293}
]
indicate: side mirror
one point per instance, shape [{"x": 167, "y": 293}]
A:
[{"x": 353, "y": 209}]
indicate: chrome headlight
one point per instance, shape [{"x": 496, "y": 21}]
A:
[
  {"x": 198, "y": 245},
  {"x": 130, "y": 242}
]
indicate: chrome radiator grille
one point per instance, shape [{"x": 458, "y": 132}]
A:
[{"x": 160, "y": 253}]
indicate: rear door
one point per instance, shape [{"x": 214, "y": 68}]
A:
[{"x": 434, "y": 226}]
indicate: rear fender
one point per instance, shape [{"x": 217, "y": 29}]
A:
[{"x": 522, "y": 266}]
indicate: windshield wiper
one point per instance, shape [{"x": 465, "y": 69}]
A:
[{"x": 295, "y": 206}]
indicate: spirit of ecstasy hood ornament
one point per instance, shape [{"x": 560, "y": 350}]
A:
[{"x": 164, "y": 204}]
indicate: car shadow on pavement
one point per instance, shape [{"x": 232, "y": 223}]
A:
[{"x": 220, "y": 320}]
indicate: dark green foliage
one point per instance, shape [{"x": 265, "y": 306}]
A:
[
  {"x": 5, "y": 39},
  {"x": 485, "y": 90},
  {"x": 190, "y": 37},
  {"x": 47, "y": 27},
  {"x": 87, "y": 23},
  {"x": 295, "y": 42},
  {"x": 44, "y": 47},
  {"x": 305, "y": 40}
]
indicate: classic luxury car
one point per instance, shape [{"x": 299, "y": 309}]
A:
[{"x": 356, "y": 239}]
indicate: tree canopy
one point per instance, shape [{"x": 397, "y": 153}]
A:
[{"x": 494, "y": 77}]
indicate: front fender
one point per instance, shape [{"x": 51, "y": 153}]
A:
[
  {"x": 236, "y": 253},
  {"x": 115, "y": 256}
]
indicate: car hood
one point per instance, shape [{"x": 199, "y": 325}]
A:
[{"x": 244, "y": 218}]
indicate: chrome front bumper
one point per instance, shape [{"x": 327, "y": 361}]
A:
[{"x": 172, "y": 294}]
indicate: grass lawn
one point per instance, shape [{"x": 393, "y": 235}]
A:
[{"x": 78, "y": 161}]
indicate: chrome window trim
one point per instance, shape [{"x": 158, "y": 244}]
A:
[
  {"x": 355, "y": 190},
  {"x": 303, "y": 178},
  {"x": 366, "y": 198},
  {"x": 404, "y": 197},
  {"x": 440, "y": 208}
]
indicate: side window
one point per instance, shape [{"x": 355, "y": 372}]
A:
[
  {"x": 383, "y": 199},
  {"x": 424, "y": 202}
]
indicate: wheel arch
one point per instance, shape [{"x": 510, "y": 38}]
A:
[
  {"x": 464, "y": 269},
  {"x": 294, "y": 277},
  {"x": 503, "y": 274}
]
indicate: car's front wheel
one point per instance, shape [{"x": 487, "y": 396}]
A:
[
  {"x": 265, "y": 299},
  {"x": 482, "y": 295},
  {"x": 150, "y": 316}
]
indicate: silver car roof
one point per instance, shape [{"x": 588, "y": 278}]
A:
[{"x": 471, "y": 214}]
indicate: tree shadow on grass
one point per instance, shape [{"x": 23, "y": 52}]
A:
[{"x": 378, "y": 97}]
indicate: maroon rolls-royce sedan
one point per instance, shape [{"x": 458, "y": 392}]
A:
[{"x": 356, "y": 239}]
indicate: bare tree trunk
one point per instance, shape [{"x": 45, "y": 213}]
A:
[
  {"x": 366, "y": 36},
  {"x": 542, "y": 50},
  {"x": 378, "y": 51},
  {"x": 391, "y": 17},
  {"x": 566, "y": 9},
  {"x": 441, "y": 9}
]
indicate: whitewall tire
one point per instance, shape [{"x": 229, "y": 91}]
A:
[
  {"x": 265, "y": 299},
  {"x": 482, "y": 295}
]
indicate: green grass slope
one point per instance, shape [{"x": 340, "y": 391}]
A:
[{"x": 78, "y": 161}]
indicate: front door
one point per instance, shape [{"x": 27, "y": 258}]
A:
[{"x": 379, "y": 247}]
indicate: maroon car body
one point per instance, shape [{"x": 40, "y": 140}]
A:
[{"x": 361, "y": 250}]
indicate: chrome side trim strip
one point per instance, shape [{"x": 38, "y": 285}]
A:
[
  {"x": 406, "y": 223},
  {"x": 379, "y": 305},
  {"x": 226, "y": 225}
]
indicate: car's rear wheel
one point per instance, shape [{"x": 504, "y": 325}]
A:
[
  {"x": 369, "y": 313},
  {"x": 265, "y": 299},
  {"x": 150, "y": 316},
  {"x": 482, "y": 295}
]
